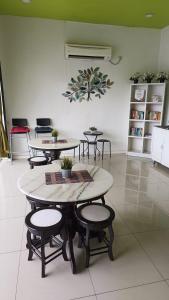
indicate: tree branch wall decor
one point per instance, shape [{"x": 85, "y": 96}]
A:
[{"x": 89, "y": 82}]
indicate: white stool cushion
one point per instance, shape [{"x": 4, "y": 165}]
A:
[
  {"x": 95, "y": 213},
  {"x": 38, "y": 159},
  {"x": 46, "y": 217}
]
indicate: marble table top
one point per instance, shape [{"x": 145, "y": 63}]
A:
[
  {"x": 94, "y": 133},
  {"x": 37, "y": 144},
  {"x": 33, "y": 184}
]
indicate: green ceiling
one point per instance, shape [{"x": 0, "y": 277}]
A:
[{"x": 115, "y": 12}]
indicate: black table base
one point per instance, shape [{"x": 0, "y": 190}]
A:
[
  {"x": 54, "y": 154},
  {"x": 71, "y": 224}
]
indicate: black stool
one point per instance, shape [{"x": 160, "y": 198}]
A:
[
  {"x": 43, "y": 225},
  {"x": 105, "y": 141},
  {"x": 35, "y": 204},
  {"x": 38, "y": 161},
  {"x": 94, "y": 218},
  {"x": 83, "y": 142},
  {"x": 94, "y": 143}
]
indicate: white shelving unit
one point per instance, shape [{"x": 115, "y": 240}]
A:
[{"x": 145, "y": 112}]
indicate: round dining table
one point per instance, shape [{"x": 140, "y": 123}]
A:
[
  {"x": 47, "y": 145},
  {"x": 34, "y": 186},
  {"x": 92, "y": 133}
]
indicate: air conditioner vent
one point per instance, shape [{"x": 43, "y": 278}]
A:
[{"x": 88, "y": 52}]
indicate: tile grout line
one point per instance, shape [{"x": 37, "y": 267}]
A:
[
  {"x": 16, "y": 290},
  {"x": 92, "y": 282},
  {"x": 83, "y": 297},
  {"x": 11, "y": 218},
  {"x": 137, "y": 232},
  {"x": 167, "y": 282},
  {"x": 149, "y": 257},
  {"x": 131, "y": 287}
]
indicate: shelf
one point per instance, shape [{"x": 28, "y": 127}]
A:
[
  {"x": 137, "y": 102},
  {"x": 149, "y": 92},
  {"x": 136, "y": 120},
  {"x": 135, "y": 136},
  {"x": 155, "y": 103},
  {"x": 153, "y": 121}
]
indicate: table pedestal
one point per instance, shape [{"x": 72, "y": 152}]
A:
[
  {"x": 54, "y": 154},
  {"x": 69, "y": 232}
]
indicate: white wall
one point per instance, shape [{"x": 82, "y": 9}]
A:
[
  {"x": 164, "y": 66},
  {"x": 36, "y": 73}
]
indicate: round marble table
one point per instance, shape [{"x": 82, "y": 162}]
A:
[
  {"x": 33, "y": 185},
  {"x": 95, "y": 133},
  {"x": 53, "y": 148}
]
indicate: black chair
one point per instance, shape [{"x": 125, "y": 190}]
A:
[
  {"x": 103, "y": 141},
  {"x": 43, "y": 226},
  {"x": 38, "y": 161},
  {"x": 43, "y": 126},
  {"x": 93, "y": 218}
]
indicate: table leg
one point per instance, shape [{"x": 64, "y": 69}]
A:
[
  {"x": 55, "y": 154},
  {"x": 69, "y": 233},
  {"x": 71, "y": 251}
]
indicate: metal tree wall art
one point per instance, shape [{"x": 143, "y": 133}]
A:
[{"x": 90, "y": 82}]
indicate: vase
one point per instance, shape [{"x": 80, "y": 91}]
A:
[
  {"x": 135, "y": 80},
  {"x": 54, "y": 139},
  {"x": 66, "y": 173},
  {"x": 162, "y": 80}
]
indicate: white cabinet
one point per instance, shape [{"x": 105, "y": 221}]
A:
[
  {"x": 145, "y": 112},
  {"x": 160, "y": 145}
]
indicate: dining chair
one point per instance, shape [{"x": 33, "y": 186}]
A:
[
  {"x": 19, "y": 127},
  {"x": 43, "y": 126},
  {"x": 92, "y": 219},
  {"x": 43, "y": 225}
]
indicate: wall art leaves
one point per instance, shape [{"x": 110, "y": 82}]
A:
[{"x": 89, "y": 82}]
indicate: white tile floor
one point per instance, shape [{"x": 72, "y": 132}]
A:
[{"x": 140, "y": 271}]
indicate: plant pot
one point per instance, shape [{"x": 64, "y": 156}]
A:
[
  {"x": 66, "y": 173},
  {"x": 162, "y": 80},
  {"x": 54, "y": 139},
  {"x": 148, "y": 80},
  {"x": 135, "y": 80}
]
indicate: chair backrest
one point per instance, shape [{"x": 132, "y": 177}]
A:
[
  {"x": 43, "y": 121},
  {"x": 19, "y": 122}
]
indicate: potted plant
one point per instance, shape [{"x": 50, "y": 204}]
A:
[
  {"x": 162, "y": 76},
  {"x": 148, "y": 76},
  {"x": 92, "y": 128},
  {"x": 54, "y": 135},
  {"x": 66, "y": 167},
  {"x": 135, "y": 77}
]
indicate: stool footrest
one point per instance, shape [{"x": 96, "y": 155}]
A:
[
  {"x": 100, "y": 248},
  {"x": 54, "y": 256},
  {"x": 97, "y": 253}
]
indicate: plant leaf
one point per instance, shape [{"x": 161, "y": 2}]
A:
[
  {"x": 73, "y": 80},
  {"x": 96, "y": 69}
]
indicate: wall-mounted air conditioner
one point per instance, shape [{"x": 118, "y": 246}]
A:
[{"x": 88, "y": 52}]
